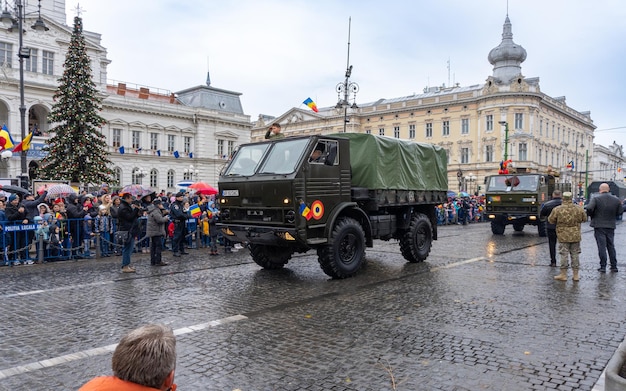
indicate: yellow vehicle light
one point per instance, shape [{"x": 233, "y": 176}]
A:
[
  {"x": 227, "y": 231},
  {"x": 492, "y": 217},
  {"x": 286, "y": 201},
  {"x": 533, "y": 217},
  {"x": 495, "y": 198},
  {"x": 288, "y": 236}
]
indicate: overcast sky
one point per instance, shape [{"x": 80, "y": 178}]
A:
[{"x": 279, "y": 52}]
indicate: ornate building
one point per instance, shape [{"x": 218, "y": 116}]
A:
[
  {"x": 507, "y": 117},
  {"x": 155, "y": 137}
]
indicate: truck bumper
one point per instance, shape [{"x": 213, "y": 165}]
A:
[{"x": 271, "y": 236}]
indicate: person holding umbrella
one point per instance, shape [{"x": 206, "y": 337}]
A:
[{"x": 128, "y": 215}]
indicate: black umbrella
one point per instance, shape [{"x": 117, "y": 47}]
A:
[{"x": 14, "y": 189}]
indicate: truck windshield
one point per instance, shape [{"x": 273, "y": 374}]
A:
[
  {"x": 246, "y": 160},
  {"x": 283, "y": 157},
  {"x": 513, "y": 183},
  {"x": 280, "y": 157}
]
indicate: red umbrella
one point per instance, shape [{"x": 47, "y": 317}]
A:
[{"x": 203, "y": 188}]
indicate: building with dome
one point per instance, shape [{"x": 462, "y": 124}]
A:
[{"x": 505, "y": 117}]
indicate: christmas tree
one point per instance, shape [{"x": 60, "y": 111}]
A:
[{"x": 78, "y": 150}]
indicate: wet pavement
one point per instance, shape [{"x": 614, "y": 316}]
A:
[{"x": 483, "y": 313}]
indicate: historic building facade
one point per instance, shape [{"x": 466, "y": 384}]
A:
[
  {"x": 155, "y": 137},
  {"x": 507, "y": 117}
]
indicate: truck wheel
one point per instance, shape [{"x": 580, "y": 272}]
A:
[
  {"x": 541, "y": 228},
  {"x": 518, "y": 227},
  {"x": 497, "y": 227},
  {"x": 416, "y": 242},
  {"x": 270, "y": 257},
  {"x": 346, "y": 255}
]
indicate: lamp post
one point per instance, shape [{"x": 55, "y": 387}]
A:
[
  {"x": 191, "y": 173},
  {"x": 506, "y": 139},
  {"x": 139, "y": 173},
  {"x": 471, "y": 178},
  {"x": 16, "y": 22},
  {"x": 580, "y": 173},
  {"x": 346, "y": 87}
]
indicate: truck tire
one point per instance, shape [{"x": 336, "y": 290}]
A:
[
  {"x": 346, "y": 255},
  {"x": 541, "y": 228},
  {"x": 415, "y": 244},
  {"x": 270, "y": 257},
  {"x": 497, "y": 226},
  {"x": 518, "y": 227}
]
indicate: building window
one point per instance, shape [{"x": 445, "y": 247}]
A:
[
  {"x": 136, "y": 176},
  {"x": 231, "y": 147},
  {"x": 519, "y": 121},
  {"x": 153, "y": 178},
  {"x": 541, "y": 127},
  {"x": 187, "y": 144},
  {"x": 117, "y": 175},
  {"x": 381, "y": 131},
  {"x": 412, "y": 131},
  {"x": 30, "y": 64},
  {"x": 465, "y": 126},
  {"x": 523, "y": 152},
  {"x": 464, "y": 155},
  {"x": 489, "y": 122},
  {"x": 539, "y": 158},
  {"x": 187, "y": 176},
  {"x": 136, "y": 139},
  {"x": 154, "y": 141},
  {"x": 47, "y": 63},
  {"x": 368, "y": 131},
  {"x": 171, "y": 142},
  {"x": 489, "y": 153},
  {"x": 445, "y": 128},
  {"x": 429, "y": 130},
  {"x": 220, "y": 149},
  {"x": 170, "y": 178},
  {"x": 396, "y": 131},
  {"x": 117, "y": 138},
  {"x": 6, "y": 56}
]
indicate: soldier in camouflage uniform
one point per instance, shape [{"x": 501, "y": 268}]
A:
[{"x": 567, "y": 218}]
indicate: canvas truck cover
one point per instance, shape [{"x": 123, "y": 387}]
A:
[{"x": 392, "y": 164}]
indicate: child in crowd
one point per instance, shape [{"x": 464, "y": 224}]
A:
[
  {"x": 103, "y": 227},
  {"x": 87, "y": 235}
]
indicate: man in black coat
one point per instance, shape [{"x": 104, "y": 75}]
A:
[
  {"x": 16, "y": 215},
  {"x": 546, "y": 209},
  {"x": 179, "y": 217},
  {"x": 604, "y": 210},
  {"x": 75, "y": 214}
]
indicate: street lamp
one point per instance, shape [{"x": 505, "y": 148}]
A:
[
  {"x": 191, "y": 173},
  {"x": 471, "y": 178},
  {"x": 580, "y": 173},
  {"x": 506, "y": 139},
  {"x": 15, "y": 20},
  {"x": 138, "y": 174},
  {"x": 346, "y": 87}
]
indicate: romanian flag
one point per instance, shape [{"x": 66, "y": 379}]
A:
[
  {"x": 570, "y": 165},
  {"x": 194, "y": 211},
  {"x": 309, "y": 102},
  {"x": 6, "y": 141},
  {"x": 306, "y": 211},
  {"x": 24, "y": 145}
]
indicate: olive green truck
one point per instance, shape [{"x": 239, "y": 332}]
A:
[{"x": 334, "y": 194}]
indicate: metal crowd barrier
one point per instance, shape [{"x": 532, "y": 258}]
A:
[{"x": 28, "y": 244}]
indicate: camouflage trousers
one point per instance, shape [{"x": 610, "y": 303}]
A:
[{"x": 567, "y": 250}]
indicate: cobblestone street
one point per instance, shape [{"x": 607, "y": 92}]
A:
[{"x": 483, "y": 313}]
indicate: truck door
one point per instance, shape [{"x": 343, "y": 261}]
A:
[{"x": 324, "y": 187}]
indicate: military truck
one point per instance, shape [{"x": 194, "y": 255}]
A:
[
  {"x": 516, "y": 199},
  {"x": 334, "y": 194}
]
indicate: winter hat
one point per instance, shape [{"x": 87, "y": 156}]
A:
[
  {"x": 44, "y": 205},
  {"x": 12, "y": 197}
]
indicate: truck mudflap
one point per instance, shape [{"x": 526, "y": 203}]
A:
[{"x": 270, "y": 236}]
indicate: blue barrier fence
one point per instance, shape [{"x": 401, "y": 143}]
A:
[{"x": 70, "y": 239}]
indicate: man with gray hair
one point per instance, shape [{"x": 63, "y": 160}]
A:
[
  {"x": 145, "y": 359},
  {"x": 604, "y": 209}
]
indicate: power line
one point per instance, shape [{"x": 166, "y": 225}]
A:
[{"x": 604, "y": 130}]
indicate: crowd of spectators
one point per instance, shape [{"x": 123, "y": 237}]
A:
[
  {"x": 461, "y": 210},
  {"x": 42, "y": 227}
]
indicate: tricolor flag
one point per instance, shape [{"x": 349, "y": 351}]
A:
[
  {"x": 6, "y": 141},
  {"x": 570, "y": 165},
  {"x": 158, "y": 152},
  {"x": 176, "y": 154},
  {"x": 138, "y": 150},
  {"x": 24, "y": 145},
  {"x": 309, "y": 102},
  {"x": 194, "y": 211},
  {"x": 191, "y": 155},
  {"x": 121, "y": 149},
  {"x": 305, "y": 211}
]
